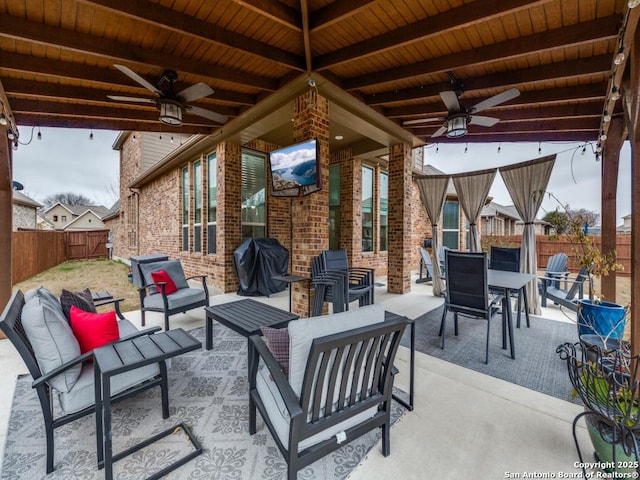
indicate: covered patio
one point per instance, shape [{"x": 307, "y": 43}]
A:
[{"x": 359, "y": 71}]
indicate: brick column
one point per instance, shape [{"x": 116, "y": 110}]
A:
[
  {"x": 310, "y": 214},
  {"x": 400, "y": 245},
  {"x": 229, "y": 213}
]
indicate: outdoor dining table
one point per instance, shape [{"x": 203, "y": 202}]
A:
[{"x": 510, "y": 282}]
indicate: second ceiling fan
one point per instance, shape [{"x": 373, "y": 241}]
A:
[{"x": 455, "y": 123}]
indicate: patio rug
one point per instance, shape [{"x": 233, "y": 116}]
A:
[
  {"x": 537, "y": 366},
  {"x": 208, "y": 391}
]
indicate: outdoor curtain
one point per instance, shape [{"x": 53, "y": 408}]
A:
[
  {"x": 473, "y": 190},
  {"x": 526, "y": 183},
  {"x": 433, "y": 190}
]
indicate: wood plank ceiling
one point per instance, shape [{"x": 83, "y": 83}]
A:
[{"x": 57, "y": 59}]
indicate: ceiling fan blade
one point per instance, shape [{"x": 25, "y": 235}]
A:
[
  {"x": 483, "y": 121},
  {"x": 450, "y": 100},
  {"x": 441, "y": 131},
  {"x": 495, "y": 100},
  {"x": 131, "y": 99},
  {"x": 201, "y": 112},
  {"x": 137, "y": 78},
  {"x": 423, "y": 120},
  {"x": 194, "y": 92}
]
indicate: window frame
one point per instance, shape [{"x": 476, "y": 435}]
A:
[{"x": 212, "y": 224}]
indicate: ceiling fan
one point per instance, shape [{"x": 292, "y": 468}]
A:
[
  {"x": 171, "y": 104},
  {"x": 456, "y": 121}
]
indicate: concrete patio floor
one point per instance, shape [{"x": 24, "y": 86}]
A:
[{"x": 465, "y": 424}]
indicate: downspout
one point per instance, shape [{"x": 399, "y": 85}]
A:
[{"x": 136, "y": 192}]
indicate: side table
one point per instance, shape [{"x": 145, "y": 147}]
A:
[
  {"x": 120, "y": 357},
  {"x": 290, "y": 280}
]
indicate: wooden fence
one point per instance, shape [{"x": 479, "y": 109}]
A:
[
  {"x": 35, "y": 251},
  {"x": 547, "y": 246}
]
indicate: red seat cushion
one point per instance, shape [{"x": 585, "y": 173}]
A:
[
  {"x": 163, "y": 276},
  {"x": 93, "y": 330}
]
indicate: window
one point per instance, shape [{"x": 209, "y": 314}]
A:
[
  {"x": 132, "y": 228},
  {"x": 55, "y": 218},
  {"x": 384, "y": 211},
  {"x": 185, "y": 209},
  {"x": 212, "y": 199},
  {"x": 367, "y": 209},
  {"x": 254, "y": 206},
  {"x": 334, "y": 206},
  {"x": 63, "y": 218},
  {"x": 197, "y": 208},
  {"x": 450, "y": 224}
]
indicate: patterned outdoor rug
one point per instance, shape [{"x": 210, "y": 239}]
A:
[
  {"x": 537, "y": 365},
  {"x": 208, "y": 390}
]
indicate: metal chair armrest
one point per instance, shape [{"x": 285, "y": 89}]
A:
[
  {"x": 61, "y": 369},
  {"x": 116, "y": 305}
]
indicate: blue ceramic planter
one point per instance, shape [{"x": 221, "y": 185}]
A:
[{"x": 605, "y": 319}]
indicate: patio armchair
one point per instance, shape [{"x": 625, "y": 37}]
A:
[
  {"x": 425, "y": 260},
  {"x": 172, "y": 293},
  {"x": 566, "y": 298},
  {"x": 358, "y": 278},
  {"x": 339, "y": 384},
  {"x": 36, "y": 326},
  {"x": 556, "y": 269},
  {"x": 468, "y": 292}
]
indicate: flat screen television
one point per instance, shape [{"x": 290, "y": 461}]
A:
[{"x": 294, "y": 169}]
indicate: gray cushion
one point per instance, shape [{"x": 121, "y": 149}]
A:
[
  {"x": 173, "y": 269},
  {"x": 280, "y": 419},
  {"x": 51, "y": 337},
  {"x": 44, "y": 294},
  {"x": 303, "y": 331},
  {"x": 182, "y": 298}
]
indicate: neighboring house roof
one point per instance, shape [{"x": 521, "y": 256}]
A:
[
  {"x": 113, "y": 211},
  {"x": 81, "y": 216},
  {"x": 21, "y": 199},
  {"x": 76, "y": 210},
  {"x": 431, "y": 170},
  {"x": 494, "y": 209}
]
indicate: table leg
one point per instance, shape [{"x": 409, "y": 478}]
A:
[
  {"x": 290, "y": 296},
  {"x": 209, "y": 333},
  {"x": 510, "y": 324},
  {"x": 526, "y": 304},
  {"x": 106, "y": 420},
  {"x": 98, "y": 401}
]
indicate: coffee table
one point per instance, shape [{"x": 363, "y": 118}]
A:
[
  {"x": 245, "y": 317},
  {"x": 120, "y": 357}
]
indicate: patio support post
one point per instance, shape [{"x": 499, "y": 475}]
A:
[
  {"x": 310, "y": 213},
  {"x": 632, "y": 113},
  {"x": 610, "y": 164},
  {"x": 6, "y": 218},
  {"x": 400, "y": 247}
]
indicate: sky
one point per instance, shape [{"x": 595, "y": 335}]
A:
[
  {"x": 66, "y": 160},
  {"x": 575, "y": 179}
]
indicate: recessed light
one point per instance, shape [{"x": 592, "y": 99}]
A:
[{"x": 338, "y": 137}]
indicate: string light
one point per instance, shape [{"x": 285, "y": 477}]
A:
[
  {"x": 437, "y": 147},
  {"x": 539, "y": 148},
  {"x": 619, "y": 58},
  {"x": 615, "y": 93},
  {"x": 499, "y": 147},
  {"x": 3, "y": 119},
  {"x": 603, "y": 136},
  {"x": 171, "y": 138},
  {"x": 606, "y": 118},
  {"x": 633, "y": 3},
  {"x": 39, "y": 134},
  {"x": 10, "y": 135},
  {"x": 466, "y": 148},
  {"x": 91, "y": 135},
  {"x": 584, "y": 149}
]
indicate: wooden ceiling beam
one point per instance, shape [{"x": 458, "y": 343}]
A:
[
  {"x": 490, "y": 137},
  {"x": 582, "y": 33},
  {"x": 52, "y": 91},
  {"x": 456, "y": 18},
  {"x": 36, "y": 107},
  {"x": 183, "y": 24},
  {"x": 306, "y": 40},
  {"x": 79, "y": 72},
  {"x": 561, "y": 70},
  {"x": 18, "y": 28},
  {"x": 274, "y": 10},
  {"x": 525, "y": 126},
  {"x": 45, "y": 120},
  {"x": 336, "y": 12}
]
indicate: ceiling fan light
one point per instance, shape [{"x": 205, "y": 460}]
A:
[
  {"x": 457, "y": 127},
  {"x": 171, "y": 113}
]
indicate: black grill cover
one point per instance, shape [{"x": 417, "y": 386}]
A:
[{"x": 257, "y": 260}]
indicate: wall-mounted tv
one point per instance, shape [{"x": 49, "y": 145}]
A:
[{"x": 294, "y": 169}]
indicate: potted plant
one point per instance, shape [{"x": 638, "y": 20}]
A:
[
  {"x": 603, "y": 320},
  {"x": 608, "y": 383}
]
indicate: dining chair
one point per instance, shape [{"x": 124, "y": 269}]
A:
[
  {"x": 468, "y": 292},
  {"x": 507, "y": 259}
]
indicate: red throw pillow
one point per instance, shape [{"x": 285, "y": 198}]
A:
[
  {"x": 163, "y": 276},
  {"x": 93, "y": 330}
]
